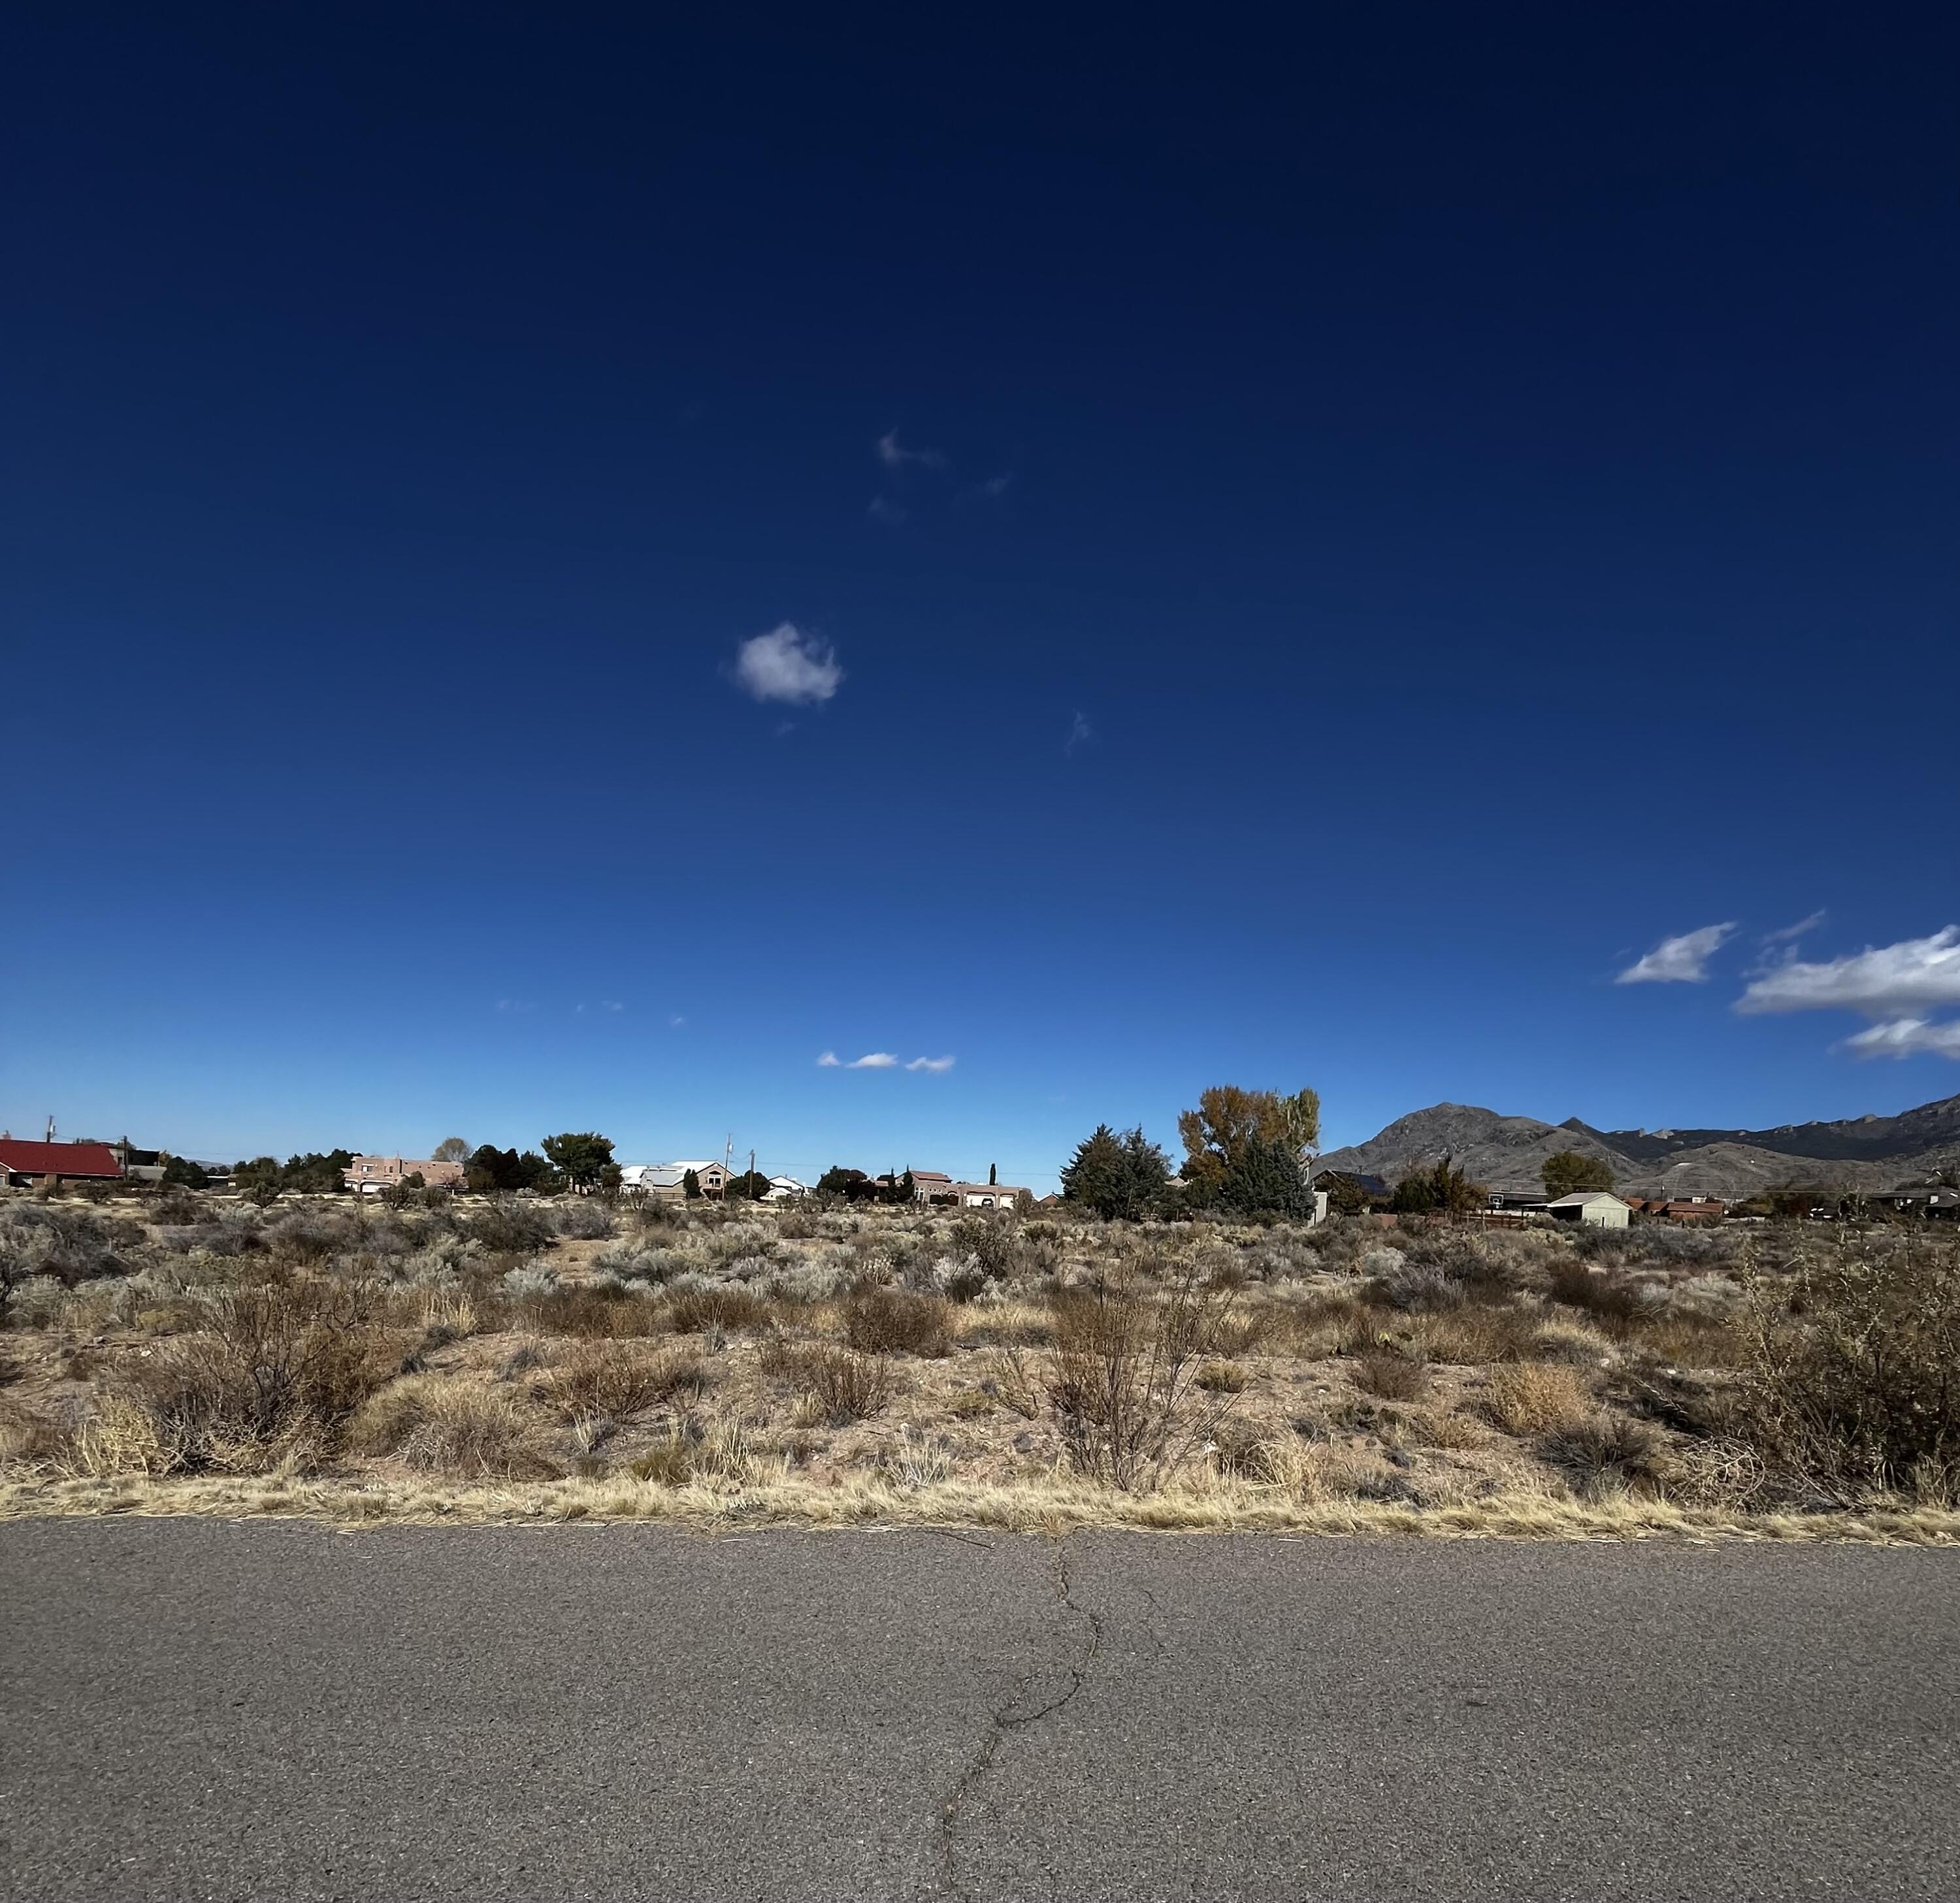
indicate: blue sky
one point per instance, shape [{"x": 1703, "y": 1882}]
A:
[{"x": 1297, "y": 556}]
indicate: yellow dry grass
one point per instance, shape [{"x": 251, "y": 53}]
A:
[{"x": 761, "y": 1497}]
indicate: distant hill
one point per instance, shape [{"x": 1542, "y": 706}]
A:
[{"x": 1509, "y": 1153}]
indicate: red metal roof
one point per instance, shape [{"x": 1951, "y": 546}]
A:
[{"x": 27, "y": 1159}]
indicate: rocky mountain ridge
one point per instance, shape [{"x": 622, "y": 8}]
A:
[{"x": 1509, "y": 1153}]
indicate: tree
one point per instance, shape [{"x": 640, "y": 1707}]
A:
[
  {"x": 836, "y": 1181},
  {"x": 1441, "y": 1192},
  {"x": 1571, "y": 1170},
  {"x": 491, "y": 1171},
  {"x": 450, "y": 1149},
  {"x": 258, "y": 1181},
  {"x": 186, "y": 1174},
  {"x": 1119, "y": 1177},
  {"x": 1228, "y": 1117},
  {"x": 690, "y": 1185},
  {"x": 1265, "y": 1178},
  {"x": 584, "y": 1159},
  {"x": 993, "y": 1175},
  {"x": 752, "y": 1186}
]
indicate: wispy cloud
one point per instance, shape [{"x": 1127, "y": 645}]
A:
[
  {"x": 611, "y": 1004},
  {"x": 996, "y": 486},
  {"x": 1080, "y": 734},
  {"x": 1907, "y": 1037},
  {"x": 881, "y": 1061},
  {"x": 787, "y": 665},
  {"x": 884, "y": 510},
  {"x": 1878, "y": 981},
  {"x": 895, "y": 455},
  {"x": 1679, "y": 961},
  {"x": 1790, "y": 934},
  {"x": 675, "y": 1021}
]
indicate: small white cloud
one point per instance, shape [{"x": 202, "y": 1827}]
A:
[
  {"x": 895, "y": 455},
  {"x": 1679, "y": 961},
  {"x": 676, "y": 1022},
  {"x": 873, "y": 1061},
  {"x": 931, "y": 1064},
  {"x": 612, "y": 1004},
  {"x": 884, "y": 510},
  {"x": 1907, "y": 1037},
  {"x": 1790, "y": 934},
  {"x": 828, "y": 1062},
  {"x": 787, "y": 665},
  {"x": 1878, "y": 980},
  {"x": 1080, "y": 734},
  {"x": 995, "y": 486}
]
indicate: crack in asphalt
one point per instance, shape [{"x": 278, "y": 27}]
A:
[{"x": 1005, "y": 1720}]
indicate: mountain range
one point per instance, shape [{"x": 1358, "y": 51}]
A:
[{"x": 1509, "y": 1153}]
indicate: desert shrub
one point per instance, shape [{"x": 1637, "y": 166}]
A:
[
  {"x": 1854, "y": 1382},
  {"x": 458, "y": 1428},
  {"x": 847, "y": 1386},
  {"x": 1610, "y": 1296},
  {"x": 694, "y": 1311},
  {"x": 271, "y": 1378},
  {"x": 1223, "y": 1377},
  {"x": 509, "y": 1227},
  {"x": 915, "y": 1460},
  {"x": 638, "y": 1260},
  {"x": 1391, "y": 1377},
  {"x": 1122, "y": 1375},
  {"x": 72, "y": 1246},
  {"x": 581, "y": 1219},
  {"x": 991, "y": 1241},
  {"x": 1606, "y": 1453},
  {"x": 1477, "y": 1335},
  {"x": 1533, "y": 1398},
  {"x": 615, "y": 1380},
  {"x": 883, "y": 1321},
  {"x": 1417, "y": 1286}
]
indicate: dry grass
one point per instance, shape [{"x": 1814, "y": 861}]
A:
[
  {"x": 1213, "y": 1375},
  {"x": 1314, "y": 1506},
  {"x": 1535, "y": 1398}
]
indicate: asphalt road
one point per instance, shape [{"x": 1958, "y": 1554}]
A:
[{"x": 198, "y": 1710}]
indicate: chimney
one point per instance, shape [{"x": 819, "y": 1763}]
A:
[{"x": 51, "y": 1126}]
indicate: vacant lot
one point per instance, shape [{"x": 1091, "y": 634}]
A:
[{"x": 566, "y": 1358}]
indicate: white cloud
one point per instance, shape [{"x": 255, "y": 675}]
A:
[
  {"x": 995, "y": 486},
  {"x": 1080, "y": 733},
  {"x": 1906, "y": 1037},
  {"x": 1679, "y": 961},
  {"x": 1879, "y": 979},
  {"x": 873, "y": 1061},
  {"x": 884, "y": 510},
  {"x": 895, "y": 455},
  {"x": 931, "y": 1064},
  {"x": 612, "y": 1004},
  {"x": 1790, "y": 933},
  {"x": 787, "y": 665},
  {"x": 828, "y": 1062}
]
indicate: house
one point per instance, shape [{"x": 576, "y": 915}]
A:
[
  {"x": 785, "y": 1189},
  {"x": 1595, "y": 1208},
  {"x": 668, "y": 1181},
  {"x": 23, "y": 1161},
  {"x": 988, "y": 1195},
  {"x": 369, "y": 1176},
  {"x": 932, "y": 1185}
]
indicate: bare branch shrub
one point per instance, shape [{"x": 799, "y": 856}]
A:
[
  {"x": 1853, "y": 1384},
  {"x": 1122, "y": 1375},
  {"x": 885, "y": 1321}
]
